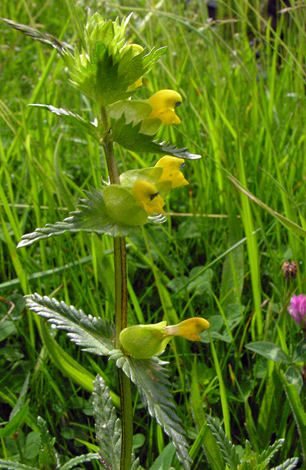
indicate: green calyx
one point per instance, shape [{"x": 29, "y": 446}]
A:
[{"x": 145, "y": 341}]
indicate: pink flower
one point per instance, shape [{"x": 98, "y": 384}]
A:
[{"x": 297, "y": 309}]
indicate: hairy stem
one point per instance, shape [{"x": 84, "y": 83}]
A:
[{"x": 120, "y": 306}]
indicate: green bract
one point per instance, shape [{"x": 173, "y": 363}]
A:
[
  {"x": 122, "y": 206},
  {"x": 108, "y": 69}
]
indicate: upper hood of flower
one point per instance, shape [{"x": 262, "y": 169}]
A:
[
  {"x": 171, "y": 166},
  {"x": 163, "y": 104}
]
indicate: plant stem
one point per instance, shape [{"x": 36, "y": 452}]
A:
[{"x": 120, "y": 306}]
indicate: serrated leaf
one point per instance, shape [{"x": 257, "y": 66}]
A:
[
  {"x": 228, "y": 450},
  {"x": 79, "y": 460},
  {"x": 130, "y": 137},
  {"x": 85, "y": 125},
  {"x": 265, "y": 457},
  {"x": 66, "y": 364},
  {"x": 134, "y": 110},
  {"x": 289, "y": 464},
  {"x": 91, "y": 333},
  {"x": 7, "y": 465},
  {"x": 91, "y": 216},
  {"x": 47, "y": 39},
  {"x": 152, "y": 382},
  {"x": 107, "y": 425},
  {"x": 269, "y": 350}
]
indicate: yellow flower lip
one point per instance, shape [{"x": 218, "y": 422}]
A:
[
  {"x": 147, "y": 195},
  {"x": 145, "y": 341},
  {"x": 163, "y": 103},
  {"x": 189, "y": 329},
  {"x": 171, "y": 166}
]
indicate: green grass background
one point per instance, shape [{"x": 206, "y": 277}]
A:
[{"x": 218, "y": 256}]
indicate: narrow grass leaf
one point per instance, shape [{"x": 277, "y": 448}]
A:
[
  {"x": 66, "y": 364},
  {"x": 297, "y": 410}
]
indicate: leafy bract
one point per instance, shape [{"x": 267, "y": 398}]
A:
[
  {"x": 122, "y": 207},
  {"x": 152, "y": 383},
  {"x": 91, "y": 333},
  {"x": 91, "y": 216},
  {"x": 132, "y": 138},
  {"x": 107, "y": 74}
]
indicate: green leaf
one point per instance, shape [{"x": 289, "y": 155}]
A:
[
  {"x": 122, "y": 206},
  {"x": 292, "y": 226},
  {"x": 228, "y": 450},
  {"x": 7, "y": 465},
  {"x": 205, "y": 437},
  {"x": 79, "y": 460},
  {"x": 297, "y": 410},
  {"x": 47, "y": 454},
  {"x": 265, "y": 457},
  {"x": 152, "y": 382},
  {"x": 130, "y": 137},
  {"x": 66, "y": 364},
  {"x": 300, "y": 352},
  {"x": 269, "y": 350},
  {"x": 294, "y": 376},
  {"x": 7, "y": 328},
  {"x": 16, "y": 422},
  {"x": 289, "y": 464},
  {"x": 91, "y": 333},
  {"x": 135, "y": 111},
  {"x": 108, "y": 426},
  {"x": 83, "y": 124},
  {"x": 91, "y": 216},
  {"x": 151, "y": 174},
  {"x": 164, "y": 460},
  {"x": 47, "y": 39}
]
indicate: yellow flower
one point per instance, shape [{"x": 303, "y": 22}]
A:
[
  {"x": 145, "y": 341},
  {"x": 171, "y": 167},
  {"x": 148, "y": 197},
  {"x": 189, "y": 329},
  {"x": 163, "y": 103}
]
